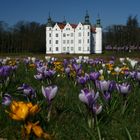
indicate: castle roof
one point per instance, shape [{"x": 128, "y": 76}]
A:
[{"x": 62, "y": 26}]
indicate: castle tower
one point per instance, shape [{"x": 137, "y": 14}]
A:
[
  {"x": 86, "y": 34},
  {"x": 98, "y": 38},
  {"x": 49, "y": 40}
]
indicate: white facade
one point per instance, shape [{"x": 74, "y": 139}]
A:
[{"x": 74, "y": 39}]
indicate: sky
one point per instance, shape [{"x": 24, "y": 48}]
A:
[{"x": 110, "y": 11}]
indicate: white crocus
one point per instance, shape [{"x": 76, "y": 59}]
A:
[
  {"x": 33, "y": 59},
  {"x": 117, "y": 69},
  {"x": 133, "y": 63},
  {"x": 47, "y": 58},
  {"x": 101, "y": 71},
  {"x": 122, "y": 60}
]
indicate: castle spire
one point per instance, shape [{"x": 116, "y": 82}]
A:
[
  {"x": 49, "y": 23},
  {"x": 64, "y": 21},
  {"x": 98, "y": 21},
  {"x": 87, "y": 18}
]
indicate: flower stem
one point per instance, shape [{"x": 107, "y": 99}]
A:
[{"x": 98, "y": 129}]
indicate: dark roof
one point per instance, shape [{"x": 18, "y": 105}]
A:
[{"x": 62, "y": 26}]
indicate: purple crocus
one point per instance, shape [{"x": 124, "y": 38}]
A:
[
  {"x": 39, "y": 76},
  {"x": 67, "y": 71},
  {"x": 77, "y": 67},
  {"x": 105, "y": 85},
  {"x": 26, "y": 61},
  {"x": 49, "y": 92},
  {"x": 49, "y": 73},
  {"x": 65, "y": 63},
  {"x": 94, "y": 76},
  {"x": 27, "y": 91},
  {"x": 132, "y": 74},
  {"x": 137, "y": 76},
  {"x": 123, "y": 88},
  {"x": 89, "y": 97},
  {"x": 83, "y": 79},
  {"x": 5, "y": 71},
  {"x": 6, "y": 99}
]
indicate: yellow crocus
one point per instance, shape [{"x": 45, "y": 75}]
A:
[
  {"x": 20, "y": 110},
  {"x": 37, "y": 130}
]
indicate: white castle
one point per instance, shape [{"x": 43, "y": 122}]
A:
[{"x": 82, "y": 38}]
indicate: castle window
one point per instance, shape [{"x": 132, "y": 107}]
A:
[
  {"x": 56, "y": 35},
  {"x": 79, "y": 48},
  {"x": 49, "y": 28},
  {"x": 67, "y": 48},
  {"x": 64, "y": 41},
  {"x": 56, "y": 41},
  {"x": 64, "y": 48},
  {"x": 56, "y": 48},
  {"x": 71, "y": 34},
  {"x": 50, "y": 49},
  {"x": 49, "y": 34},
  {"x": 88, "y": 48},
  {"x": 79, "y": 41},
  {"x": 67, "y": 41},
  {"x": 79, "y": 28},
  {"x": 88, "y": 27},
  {"x": 64, "y": 35},
  {"x": 79, "y": 34},
  {"x": 67, "y": 34},
  {"x": 49, "y": 41},
  {"x": 88, "y": 33},
  {"x": 88, "y": 41},
  {"x": 71, "y": 48},
  {"x": 71, "y": 41}
]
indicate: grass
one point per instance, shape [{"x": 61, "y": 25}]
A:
[
  {"x": 69, "y": 115},
  {"x": 105, "y": 54}
]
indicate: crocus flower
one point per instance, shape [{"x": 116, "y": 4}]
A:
[
  {"x": 137, "y": 76},
  {"x": 117, "y": 70},
  {"x": 97, "y": 109},
  {"x": 122, "y": 60},
  {"x": 20, "y": 110},
  {"x": 6, "y": 100},
  {"x": 37, "y": 130},
  {"x": 94, "y": 76},
  {"x": 5, "y": 71},
  {"x": 49, "y": 73},
  {"x": 77, "y": 67},
  {"x": 67, "y": 70},
  {"x": 90, "y": 100},
  {"x": 123, "y": 88},
  {"x": 39, "y": 76},
  {"x": 83, "y": 79},
  {"x": 133, "y": 63},
  {"x": 27, "y": 90},
  {"x": 49, "y": 92},
  {"x": 26, "y": 61},
  {"x": 65, "y": 63},
  {"x": 104, "y": 85},
  {"x": 132, "y": 74},
  {"x": 107, "y": 96}
]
